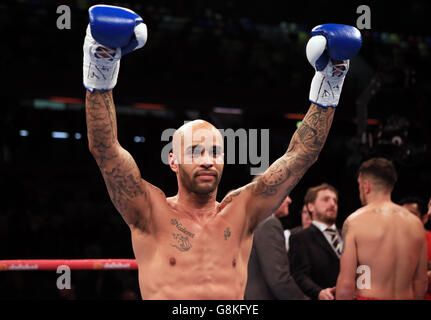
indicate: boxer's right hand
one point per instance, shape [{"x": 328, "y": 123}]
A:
[{"x": 111, "y": 33}]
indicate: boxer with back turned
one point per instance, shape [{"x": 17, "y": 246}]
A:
[
  {"x": 189, "y": 246},
  {"x": 386, "y": 238}
]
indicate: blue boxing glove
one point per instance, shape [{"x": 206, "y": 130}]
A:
[
  {"x": 111, "y": 33},
  {"x": 329, "y": 51}
]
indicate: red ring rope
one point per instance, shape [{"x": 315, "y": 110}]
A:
[{"x": 75, "y": 264}]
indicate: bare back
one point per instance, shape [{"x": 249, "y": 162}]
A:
[
  {"x": 191, "y": 258},
  {"x": 390, "y": 241}
]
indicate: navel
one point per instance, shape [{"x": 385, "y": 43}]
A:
[
  {"x": 172, "y": 261},
  {"x": 234, "y": 263}
]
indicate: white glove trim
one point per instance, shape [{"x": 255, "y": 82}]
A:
[
  {"x": 326, "y": 85},
  {"x": 101, "y": 64}
]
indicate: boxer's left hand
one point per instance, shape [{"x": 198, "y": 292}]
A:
[{"x": 329, "y": 50}]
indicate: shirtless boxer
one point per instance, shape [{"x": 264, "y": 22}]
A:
[
  {"x": 385, "y": 237},
  {"x": 189, "y": 246}
]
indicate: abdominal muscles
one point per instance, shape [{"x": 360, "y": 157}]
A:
[{"x": 211, "y": 272}]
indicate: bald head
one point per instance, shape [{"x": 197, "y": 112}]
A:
[
  {"x": 197, "y": 157},
  {"x": 193, "y": 136}
]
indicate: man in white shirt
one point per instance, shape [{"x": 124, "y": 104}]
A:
[{"x": 314, "y": 252}]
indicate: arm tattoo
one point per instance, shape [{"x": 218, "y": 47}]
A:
[
  {"x": 228, "y": 199},
  {"x": 310, "y": 137},
  {"x": 123, "y": 185},
  {"x": 276, "y": 175},
  {"x": 303, "y": 150},
  {"x": 101, "y": 123},
  {"x": 120, "y": 172}
]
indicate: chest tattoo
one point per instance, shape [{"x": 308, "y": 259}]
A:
[
  {"x": 180, "y": 227},
  {"x": 183, "y": 243},
  {"x": 182, "y": 240},
  {"x": 227, "y": 233}
]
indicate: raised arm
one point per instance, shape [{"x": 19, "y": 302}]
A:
[
  {"x": 113, "y": 31},
  {"x": 268, "y": 190},
  {"x": 329, "y": 51},
  {"x": 127, "y": 190}
]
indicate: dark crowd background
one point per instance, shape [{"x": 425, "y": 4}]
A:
[{"x": 248, "y": 57}]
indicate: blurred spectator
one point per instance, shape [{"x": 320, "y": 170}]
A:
[
  {"x": 305, "y": 223},
  {"x": 268, "y": 268},
  {"x": 416, "y": 206},
  {"x": 426, "y": 221},
  {"x": 315, "y": 251}
]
